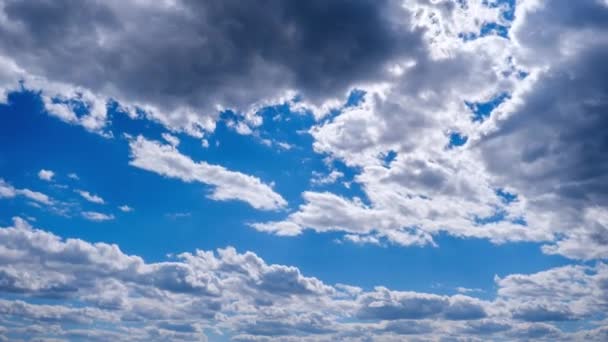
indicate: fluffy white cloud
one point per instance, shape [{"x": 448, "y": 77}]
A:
[
  {"x": 46, "y": 175},
  {"x": 240, "y": 295},
  {"x": 166, "y": 160},
  {"x": 125, "y": 208}
]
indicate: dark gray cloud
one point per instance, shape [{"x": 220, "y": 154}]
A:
[
  {"x": 558, "y": 137},
  {"x": 195, "y": 55},
  {"x": 551, "y": 147}
]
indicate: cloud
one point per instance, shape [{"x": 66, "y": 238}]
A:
[
  {"x": 215, "y": 55},
  {"x": 166, "y": 160},
  {"x": 171, "y": 139},
  {"x": 321, "y": 179},
  {"x": 564, "y": 293},
  {"x": 90, "y": 197},
  {"x": 384, "y": 304},
  {"x": 240, "y": 295},
  {"x": 46, "y": 175},
  {"x": 125, "y": 208},
  {"x": 8, "y": 191},
  {"x": 426, "y": 189},
  {"x": 97, "y": 217},
  {"x": 437, "y": 65},
  {"x": 554, "y": 135}
]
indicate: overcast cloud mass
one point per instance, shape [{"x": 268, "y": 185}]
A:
[{"x": 164, "y": 164}]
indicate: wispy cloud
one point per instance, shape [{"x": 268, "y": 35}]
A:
[
  {"x": 90, "y": 197},
  {"x": 96, "y": 216}
]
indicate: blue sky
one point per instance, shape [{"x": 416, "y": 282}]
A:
[
  {"x": 166, "y": 206},
  {"x": 436, "y": 173}
]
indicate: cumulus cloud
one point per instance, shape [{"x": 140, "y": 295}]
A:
[
  {"x": 166, "y": 160},
  {"x": 46, "y": 175},
  {"x": 541, "y": 91},
  {"x": 241, "y": 295},
  {"x": 219, "y": 54}
]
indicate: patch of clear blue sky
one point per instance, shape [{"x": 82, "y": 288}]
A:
[
  {"x": 457, "y": 139},
  {"x": 506, "y": 196},
  {"x": 482, "y": 110},
  {"x": 388, "y": 158},
  {"x": 31, "y": 140}
]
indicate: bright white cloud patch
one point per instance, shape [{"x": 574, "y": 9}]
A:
[
  {"x": 166, "y": 160},
  {"x": 46, "y": 175},
  {"x": 125, "y": 208}
]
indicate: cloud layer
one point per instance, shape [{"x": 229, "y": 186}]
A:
[{"x": 238, "y": 294}]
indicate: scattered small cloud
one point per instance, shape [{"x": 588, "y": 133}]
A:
[
  {"x": 319, "y": 178},
  {"x": 8, "y": 191},
  {"x": 97, "y": 217},
  {"x": 175, "y": 216},
  {"x": 90, "y": 197},
  {"x": 125, "y": 208},
  {"x": 46, "y": 175}
]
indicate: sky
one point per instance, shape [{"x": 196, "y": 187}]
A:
[{"x": 414, "y": 170}]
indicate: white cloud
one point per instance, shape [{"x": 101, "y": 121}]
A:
[
  {"x": 46, "y": 175},
  {"x": 166, "y": 160},
  {"x": 544, "y": 142},
  {"x": 90, "y": 197},
  {"x": 8, "y": 191},
  {"x": 171, "y": 139},
  {"x": 321, "y": 179},
  {"x": 98, "y": 217},
  {"x": 241, "y": 296},
  {"x": 125, "y": 208}
]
